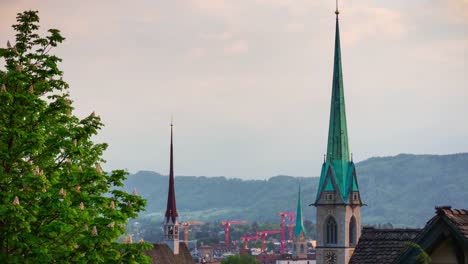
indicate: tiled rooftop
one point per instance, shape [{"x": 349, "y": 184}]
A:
[
  {"x": 381, "y": 245},
  {"x": 457, "y": 217}
]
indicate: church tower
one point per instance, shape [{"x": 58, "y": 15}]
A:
[
  {"x": 300, "y": 242},
  {"x": 171, "y": 226},
  {"x": 338, "y": 200}
]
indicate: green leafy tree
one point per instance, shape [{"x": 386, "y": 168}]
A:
[
  {"x": 240, "y": 259},
  {"x": 56, "y": 203},
  {"x": 422, "y": 257}
]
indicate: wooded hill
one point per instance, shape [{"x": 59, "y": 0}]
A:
[{"x": 402, "y": 190}]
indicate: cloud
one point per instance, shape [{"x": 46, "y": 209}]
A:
[
  {"x": 457, "y": 10},
  {"x": 442, "y": 52},
  {"x": 236, "y": 47},
  {"x": 295, "y": 27},
  {"x": 225, "y": 35},
  {"x": 373, "y": 22},
  {"x": 194, "y": 54}
]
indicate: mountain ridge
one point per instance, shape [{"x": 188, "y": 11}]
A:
[{"x": 401, "y": 189}]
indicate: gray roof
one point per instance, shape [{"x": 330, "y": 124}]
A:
[{"x": 381, "y": 245}]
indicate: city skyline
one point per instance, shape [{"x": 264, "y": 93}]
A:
[{"x": 249, "y": 82}]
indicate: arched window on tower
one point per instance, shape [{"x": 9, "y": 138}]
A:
[
  {"x": 331, "y": 231},
  {"x": 352, "y": 231}
]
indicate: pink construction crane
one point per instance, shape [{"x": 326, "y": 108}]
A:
[
  {"x": 226, "y": 225},
  {"x": 263, "y": 235},
  {"x": 291, "y": 233},
  {"x": 246, "y": 240},
  {"x": 290, "y": 217}
]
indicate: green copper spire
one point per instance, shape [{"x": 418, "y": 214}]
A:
[
  {"x": 337, "y": 148},
  {"x": 299, "y": 222},
  {"x": 338, "y": 171}
]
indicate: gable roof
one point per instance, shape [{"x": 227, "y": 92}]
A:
[
  {"x": 456, "y": 218},
  {"x": 381, "y": 245},
  {"x": 446, "y": 222},
  {"x": 344, "y": 176}
]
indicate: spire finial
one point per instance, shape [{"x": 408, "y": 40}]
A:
[
  {"x": 337, "y": 12},
  {"x": 172, "y": 120}
]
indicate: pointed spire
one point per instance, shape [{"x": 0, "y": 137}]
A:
[
  {"x": 171, "y": 210},
  {"x": 337, "y": 148},
  {"x": 299, "y": 221},
  {"x": 338, "y": 165}
]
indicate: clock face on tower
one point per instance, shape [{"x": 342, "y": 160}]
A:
[{"x": 330, "y": 258}]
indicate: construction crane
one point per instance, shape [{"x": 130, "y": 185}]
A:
[
  {"x": 291, "y": 233},
  {"x": 186, "y": 229},
  {"x": 226, "y": 225},
  {"x": 290, "y": 217},
  {"x": 246, "y": 240},
  {"x": 264, "y": 234}
]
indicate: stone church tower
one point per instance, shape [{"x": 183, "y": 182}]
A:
[
  {"x": 338, "y": 200},
  {"x": 171, "y": 226},
  {"x": 300, "y": 242}
]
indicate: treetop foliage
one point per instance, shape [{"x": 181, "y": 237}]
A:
[
  {"x": 56, "y": 202},
  {"x": 240, "y": 259}
]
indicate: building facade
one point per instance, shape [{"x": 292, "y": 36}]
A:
[{"x": 338, "y": 200}]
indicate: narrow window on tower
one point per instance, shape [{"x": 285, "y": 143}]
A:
[
  {"x": 331, "y": 231},
  {"x": 352, "y": 231}
]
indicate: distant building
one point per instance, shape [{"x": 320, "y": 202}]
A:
[
  {"x": 338, "y": 199},
  {"x": 444, "y": 239},
  {"x": 299, "y": 255},
  {"x": 206, "y": 254},
  {"x": 171, "y": 226},
  {"x": 172, "y": 251},
  {"x": 300, "y": 242},
  {"x": 289, "y": 259}
]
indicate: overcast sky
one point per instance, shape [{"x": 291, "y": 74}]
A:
[{"x": 249, "y": 81}]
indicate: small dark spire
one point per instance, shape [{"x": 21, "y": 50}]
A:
[{"x": 171, "y": 210}]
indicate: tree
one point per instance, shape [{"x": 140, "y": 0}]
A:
[
  {"x": 422, "y": 257},
  {"x": 56, "y": 203},
  {"x": 240, "y": 259}
]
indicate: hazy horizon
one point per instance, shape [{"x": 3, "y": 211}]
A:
[
  {"x": 249, "y": 81},
  {"x": 287, "y": 175}
]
